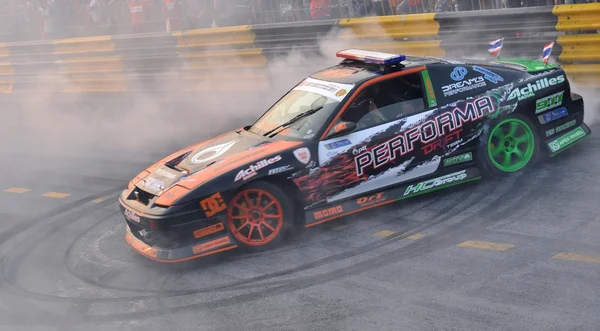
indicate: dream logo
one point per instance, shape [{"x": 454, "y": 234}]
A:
[
  {"x": 489, "y": 75},
  {"x": 458, "y": 73}
]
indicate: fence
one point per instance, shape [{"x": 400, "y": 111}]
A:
[
  {"x": 54, "y": 19},
  {"x": 217, "y": 58}
]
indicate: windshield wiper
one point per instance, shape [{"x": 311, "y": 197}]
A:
[{"x": 294, "y": 120}]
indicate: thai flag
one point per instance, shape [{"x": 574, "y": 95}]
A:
[
  {"x": 496, "y": 46},
  {"x": 547, "y": 51}
]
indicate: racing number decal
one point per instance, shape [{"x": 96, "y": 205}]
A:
[{"x": 213, "y": 204}]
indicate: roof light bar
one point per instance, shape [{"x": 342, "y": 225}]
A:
[{"x": 371, "y": 57}]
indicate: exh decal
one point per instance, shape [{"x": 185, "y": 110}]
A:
[
  {"x": 458, "y": 74},
  {"x": 425, "y": 133},
  {"x": 489, "y": 75},
  {"x": 436, "y": 183},
  {"x": 253, "y": 169},
  {"x": 429, "y": 89},
  {"x": 463, "y": 86},
  {"x": 549, "y": 102},
  {"x": 212, "y": 152},
  {"x": 560, "y": 128},
  {"x": 528, "y": 91},
  {"x": 566, "y": 140},
  {"x": 553, "y": 115},
  {"x": 466, "y": 157}
]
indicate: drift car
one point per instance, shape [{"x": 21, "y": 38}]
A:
[{"x": 375, "y": 129}]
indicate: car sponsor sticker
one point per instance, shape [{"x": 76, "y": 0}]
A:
[
  {"x": 213, "y": 204},
  {"x": 165, "y": 173},
  {"x": 425, "y": 133},
  {"x": 280, "y": 170},
  {"x": 560, "y": 128},
  {"x": 332, "y": 211},
  {"x": 335, "y": 91},
  {"x": 489, "y": 75},
  {"x": 466, "y": 157},
  {"x": 212, "y": 152},
  {"x": 132, "y": 216},
  {"x": 549, "y": 102},
  {"x": 429, "y": 89},
  {"x": 338, "y": 144},
  {"x": 302, "y": 155},
  {"x": 566, "y": 140},
  {"x": 458, "y": 74},
  {"x": 553, "y": 115},
  {"x": 522, "y": 93},
  {"x": 436, "y": 183},
  {"x": 154, "y": 184},
  {"x": 211, "y": 245},
  {"x": 464, "y": 86},
  {"x": 253, "y": 169}
]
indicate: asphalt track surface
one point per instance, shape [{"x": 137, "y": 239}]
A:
[{"x": 521, "y": 253}]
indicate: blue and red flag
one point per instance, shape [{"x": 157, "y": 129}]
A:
[
  {"x": 547, "y": 51},
  {"x": 496, "y": 46}
]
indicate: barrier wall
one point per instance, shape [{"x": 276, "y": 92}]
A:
[{"x": 211, "y": 59}]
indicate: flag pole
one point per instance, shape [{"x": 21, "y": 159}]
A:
[{"x": 502, "y": 43}]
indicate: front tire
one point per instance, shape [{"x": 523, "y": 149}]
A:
[
  {"x": 512, "y": 145},
  {"x": 259, "y": 216}
]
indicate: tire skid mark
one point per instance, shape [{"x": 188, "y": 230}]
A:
[
  {"x": 439, "y": 240},
  {"x": 242, "y": 284}
]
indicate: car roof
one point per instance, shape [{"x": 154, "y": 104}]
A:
[{"x": 356, "y": 72}]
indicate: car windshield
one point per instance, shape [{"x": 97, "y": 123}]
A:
[{"x": 308, "y": 96}]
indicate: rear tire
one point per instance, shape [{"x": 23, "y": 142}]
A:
[
  {"x": 512, "y": 145},
  {"x": 259, "y": 216}
]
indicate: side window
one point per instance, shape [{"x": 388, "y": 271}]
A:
[{"x": 386, "y": 101}]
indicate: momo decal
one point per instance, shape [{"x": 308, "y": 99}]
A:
[
  {"x": 458, "y": 73},
  {"x": 253, "y": 169},
  {"x": 553, "y": 115},
  {"x": 528, "y": 91},
  {"x": 328, "y": 212},
  {"x": 436, "y": 183},
  {"x": 213, "y": 152},
  {"x": 425, "y": 133},
  {"x": 463, "y": 86},
  {"x": 489, "y": 75},
  {"x": 549, "y": 102}
]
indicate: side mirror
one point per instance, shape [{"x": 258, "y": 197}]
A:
[{"x": 341, "y": 128}]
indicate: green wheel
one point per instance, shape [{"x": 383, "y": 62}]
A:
[{"x": 510, "y": 146}]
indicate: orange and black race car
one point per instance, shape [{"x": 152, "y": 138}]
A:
[{"x": 375, "y": 129}]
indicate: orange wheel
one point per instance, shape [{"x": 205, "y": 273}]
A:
[{"x": 256, "y": 215}]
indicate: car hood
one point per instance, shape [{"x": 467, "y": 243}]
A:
[{"x": 199, "y": 163}]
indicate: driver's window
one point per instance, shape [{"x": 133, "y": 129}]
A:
[{"x": 386, "y": 101}]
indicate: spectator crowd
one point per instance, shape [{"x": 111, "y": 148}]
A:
[{"x": 50, "y": 19}]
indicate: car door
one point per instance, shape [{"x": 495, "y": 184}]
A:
[{"x": 390, "y": 142}]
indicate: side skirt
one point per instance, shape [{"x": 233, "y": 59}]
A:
[{"x": 328, "y": 212}]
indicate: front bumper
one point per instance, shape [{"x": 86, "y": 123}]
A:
[{"x": 192, "y": 237}]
